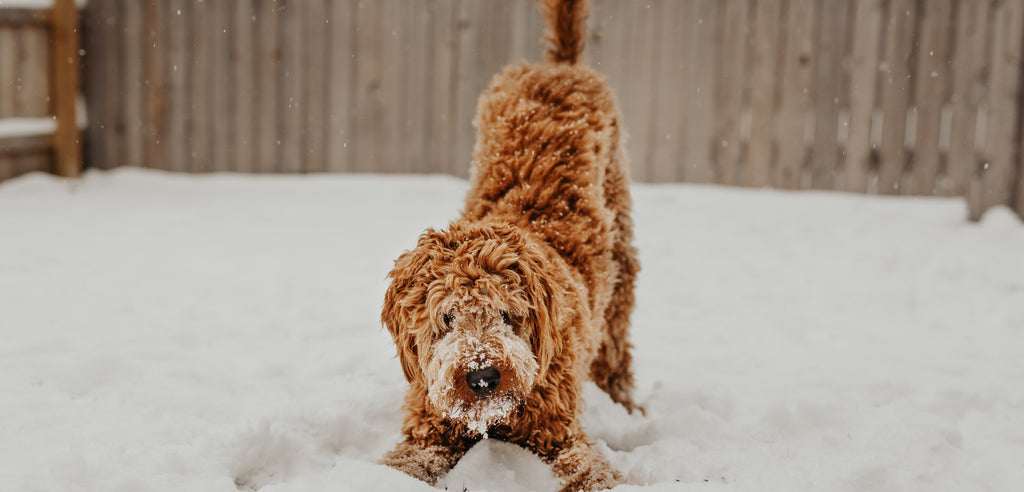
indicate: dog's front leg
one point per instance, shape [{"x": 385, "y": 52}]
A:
[
  {"x": 583, "y": 468},
  {"x": 424, "y": 460}
]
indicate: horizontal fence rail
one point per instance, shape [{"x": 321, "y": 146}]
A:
[{"x": 902, "y": 97}]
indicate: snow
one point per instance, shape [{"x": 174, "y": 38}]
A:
[
  {"x": 35, "y": 4},
  {"x": 220, "y": 332},
  {"x": 27, "y": 127}
]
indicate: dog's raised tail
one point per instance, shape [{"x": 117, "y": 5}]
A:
[{"x": 566, "y": 21}]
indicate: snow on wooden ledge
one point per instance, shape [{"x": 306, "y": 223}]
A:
[
  {"x": 27, "y": 127},
  {"x": 33, "y": 4}
]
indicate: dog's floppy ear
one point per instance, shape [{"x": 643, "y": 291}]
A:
[
  {"x": 405, "y": 301},
  {"x": 551, "y": 313}
]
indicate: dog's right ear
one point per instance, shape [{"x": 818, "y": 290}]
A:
[{"x": 405, "y": 302}]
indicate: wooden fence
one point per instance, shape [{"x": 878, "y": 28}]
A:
[
  {"x": 39, "y": 75},
  {"x": 877, "y": 96}
]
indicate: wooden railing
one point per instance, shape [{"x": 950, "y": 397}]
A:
[{"x": 39, "y": 79}]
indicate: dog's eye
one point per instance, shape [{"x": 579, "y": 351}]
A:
[
  {"x": 505, "y": 317},
  {"x": 447, "y": 318}
]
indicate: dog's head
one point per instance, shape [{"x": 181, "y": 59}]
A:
[{"x": 472, "y": 311}]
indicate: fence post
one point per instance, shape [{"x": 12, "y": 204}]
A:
[{"x": 66, "y": 140}]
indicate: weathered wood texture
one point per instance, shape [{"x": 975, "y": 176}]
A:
[
  {"x": 878, "y": 96},
  {"x": 39, "y": 79}
]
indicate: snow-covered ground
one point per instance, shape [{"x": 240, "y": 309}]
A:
[{"x": 202, "y": 333}]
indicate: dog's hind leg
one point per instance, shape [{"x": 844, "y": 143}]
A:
[{"x": 612, "y": 369}]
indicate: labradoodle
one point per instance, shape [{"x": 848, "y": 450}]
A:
[{"x": 500, "y": 318}]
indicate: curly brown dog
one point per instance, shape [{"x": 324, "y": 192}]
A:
[{"x": 500, "y": 318}]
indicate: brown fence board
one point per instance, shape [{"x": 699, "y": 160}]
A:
[
  {"x": 674, "y": 79},
  {"x": 367, "y": 90},
  {"x": 896, "y": 94},
  {"x": 154, "y": 68},
  {"x": 933, "y": 71},
  {"x": 797, "y": 84},
  {"x": 178, "y": 149},
  {"x": 732, "y": 32},
  {"x": 445, "y": 35},
  {"x": 220, "y": 34},
  {"x": 1003, "y": 103},
  {"x": 131, "y": 75},
  {"x": 830, "y": 56},
  {"x": 244, "y": 102},
  {"x": 864, "y": 71},
  {"x": 292, "y": 77},
  {"x": 699, "y": 115},
  {"x": 969, "y": 88},
  {"x": 269, "y": 99},
  {"x": 341, "y": 58},
  {"x": 764, "y": 51}
]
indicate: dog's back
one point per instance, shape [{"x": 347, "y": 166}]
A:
[
  {"x": 549, "y": 159},
  {"x": 546, "y": 135}
]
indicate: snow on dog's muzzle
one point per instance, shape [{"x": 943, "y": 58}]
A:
[{"x": 479, "y": 378}]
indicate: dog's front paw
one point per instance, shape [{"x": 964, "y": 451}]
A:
[
  {"x": 422, "y": 461},
  {"x": 582, "y": 468}
]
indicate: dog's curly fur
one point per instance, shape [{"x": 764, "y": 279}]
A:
[{"x": 534, "y": 280}]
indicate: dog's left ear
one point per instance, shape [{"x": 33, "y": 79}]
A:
[
  {"x": 405, "y": 301},
  {"x": 551, "y": 312}
]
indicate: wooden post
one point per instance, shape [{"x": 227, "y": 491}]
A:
[{"x": 67, "y": 141}]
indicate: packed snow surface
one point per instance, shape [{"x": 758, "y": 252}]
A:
[{"x": 220, "y": 332}]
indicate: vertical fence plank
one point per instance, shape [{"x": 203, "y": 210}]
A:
[
  {"x": 243, "y": 84},
  {"x": 969, "y": 88},
  {"x": 933, "y": 70},
  {"x": 221, "y": 128},
  {"x": 830, "y": 55},
  {"x": 763, "y": 85},
  {"x": 132, "y": 92},
  {"x": 291, "y": 78},
  {"x": 418, "y": 90},
  {"x": 341, "y": 37},
  {"x": 697, "y": 142},
  {"x": 105, "y": 123},
  {"x": 200, "y": 126},
  {"x": 341, "y": 55},
  {"x": 1003, "y": 103},
  {"x": 863, "y": 77},
  {"x": 316, "y": 64},
  {"x": 797, "y": 84},
  {"x": 674, "y": 61},
  {"x": 896, "y": 93},
  {"x": 155, "y": 107},
  {"x": 733, "y": 29},
  {"x": 177, "y": 156},
  {"x": 603, "y": 54},
  {"x": 639, "y": 109},
  {"x": 389, "y": 146},
  {"x": 65, "y": 87},
  {"x": 464, "y": 83},
  {"x": 269, "y": 109},
  {"x": 367, "y": 90},
  {"x": 441, "y": 35}
]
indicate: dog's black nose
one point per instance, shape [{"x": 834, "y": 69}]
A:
[{"x": 483, "y": 381}]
